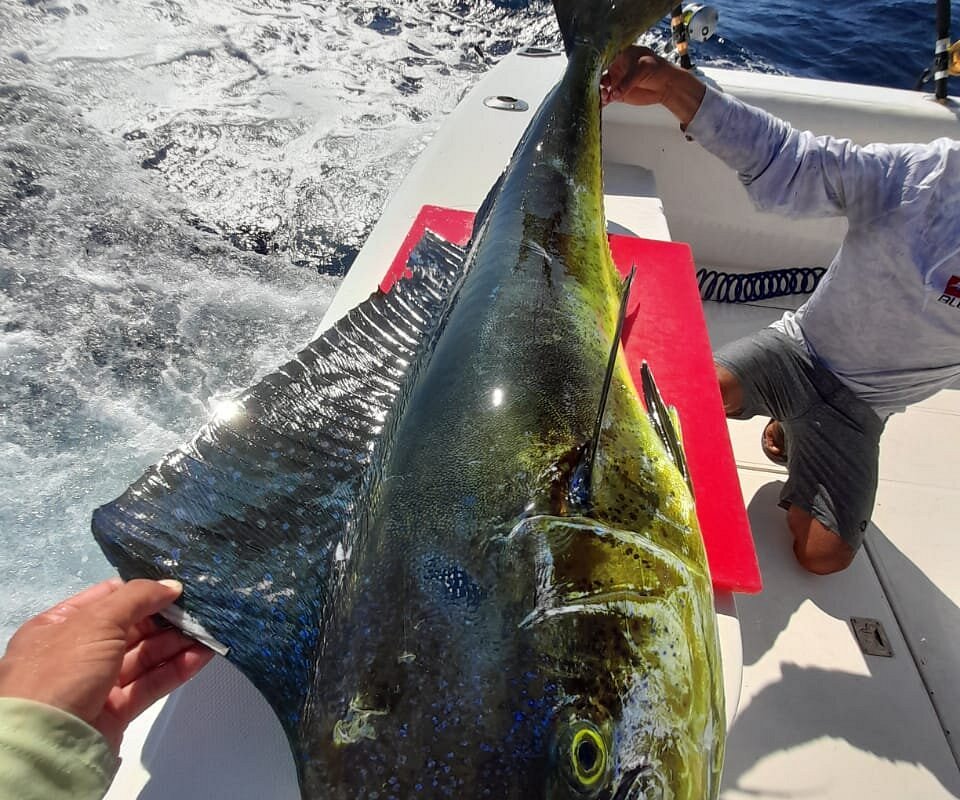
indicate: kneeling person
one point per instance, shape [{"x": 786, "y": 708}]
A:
[{"x": 881, "y": 331}]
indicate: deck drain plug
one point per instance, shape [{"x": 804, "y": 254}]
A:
[{"x": 871, "y": 636}]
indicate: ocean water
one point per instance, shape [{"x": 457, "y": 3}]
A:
[
  {"x": 184, "y": 182},
  {"x": 884, "y": 43}
]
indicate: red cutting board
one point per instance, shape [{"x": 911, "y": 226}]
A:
[{"x": 665, "y": 326}]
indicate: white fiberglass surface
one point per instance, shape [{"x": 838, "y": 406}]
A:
[{"x": 817, "y": 716}]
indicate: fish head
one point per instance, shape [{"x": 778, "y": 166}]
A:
[
  {"x": 614, "y": 625},
  {"x": 556, "y": 668}
]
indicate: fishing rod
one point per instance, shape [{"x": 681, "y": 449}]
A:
[
  {"x": 679, "y": 32},
  {"x": 946, "y": 56},
  {"x": 941, "y": 62}
]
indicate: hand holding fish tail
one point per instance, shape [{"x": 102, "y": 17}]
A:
[
  {"x": 640, "y": 77},
  {"x": 99, "y": 655}
]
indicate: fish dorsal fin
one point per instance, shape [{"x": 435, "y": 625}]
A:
[
  {"x": 664, "y": 422},
  {"x": 257, "y": 514}
]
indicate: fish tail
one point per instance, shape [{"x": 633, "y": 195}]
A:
[{"x": 607, "y": 25}]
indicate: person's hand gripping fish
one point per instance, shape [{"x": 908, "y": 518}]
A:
[
  {"x": 640, "y": 77},
  {"x": 100, "y": 656}
]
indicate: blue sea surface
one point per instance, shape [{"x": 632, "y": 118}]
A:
[
  {"x": 884, "y": 43},
  {"x": 184, "y": 182}
]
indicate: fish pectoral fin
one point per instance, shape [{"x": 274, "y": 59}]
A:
[
  {"x": 586, "y": 472},
  {"x": 665, "y": 422},
  {"x": 256, "y": 516}
]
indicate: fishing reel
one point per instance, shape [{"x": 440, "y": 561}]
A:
[
  {"x": 947, "y": 64},
  {"x": 695, "y": 23},
  {"x": 700, "y": 22}
]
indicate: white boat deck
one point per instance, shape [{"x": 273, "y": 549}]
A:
[{"x": 818, "y": 718}]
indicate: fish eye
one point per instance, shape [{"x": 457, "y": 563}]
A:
[{"x": 584, "y": 757}]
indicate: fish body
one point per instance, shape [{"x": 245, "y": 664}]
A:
[{"x": 415, "y": 543}]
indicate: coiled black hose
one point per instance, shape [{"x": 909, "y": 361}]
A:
[{"x": 733, "y": 287}]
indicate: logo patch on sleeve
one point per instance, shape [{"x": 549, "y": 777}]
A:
[{"x": 953, "y": 286}]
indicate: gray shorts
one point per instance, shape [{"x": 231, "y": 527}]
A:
[{"x": 832, "y": 437}]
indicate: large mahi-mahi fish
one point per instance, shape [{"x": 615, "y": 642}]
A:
[{"x": 447, "y": 577}]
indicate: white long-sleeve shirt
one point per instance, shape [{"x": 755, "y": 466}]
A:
[{"x": 885, "y": 318}]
